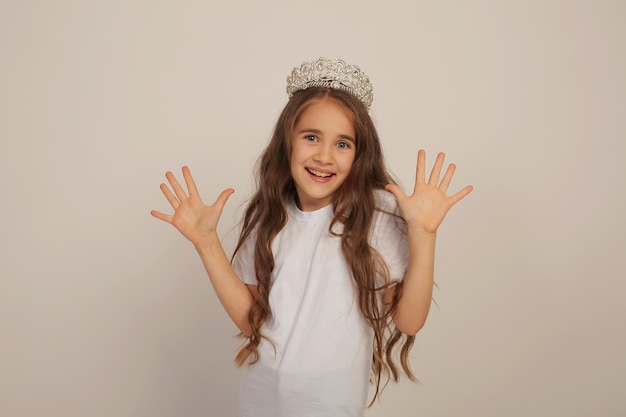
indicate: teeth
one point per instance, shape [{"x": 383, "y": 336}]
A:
[{"x": 319, "y": 174}]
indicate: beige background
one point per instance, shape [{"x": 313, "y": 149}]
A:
[{"x": 104, "y": 311}]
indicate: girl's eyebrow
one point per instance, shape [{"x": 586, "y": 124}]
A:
[{"x": 318, "y": 132}]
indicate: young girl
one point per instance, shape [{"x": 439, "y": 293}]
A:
[{"x": 333, "y": 271}]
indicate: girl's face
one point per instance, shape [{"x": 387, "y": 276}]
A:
[{"x": 322, "y": 152}]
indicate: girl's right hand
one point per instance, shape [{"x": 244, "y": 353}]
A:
[{"x": 191, "y": 217}]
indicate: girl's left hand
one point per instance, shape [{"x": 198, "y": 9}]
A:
[{"x": 426, "y": 208}]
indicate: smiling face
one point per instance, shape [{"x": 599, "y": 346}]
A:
[{"x": 323, "y": 147}]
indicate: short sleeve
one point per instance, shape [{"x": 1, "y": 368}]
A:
[
  {"x": 389, "y": 235},
  {"x": 243, "y": 262}
]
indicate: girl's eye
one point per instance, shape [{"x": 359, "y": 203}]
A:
[
  {"x": 310, "y": 138},
  {"x": 343, "y": 145}
]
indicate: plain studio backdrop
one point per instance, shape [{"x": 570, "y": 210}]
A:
[{"x": 105, "y": 311}]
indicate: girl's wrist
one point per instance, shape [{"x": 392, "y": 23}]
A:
[
  {"x": 206, "y": 242},
  {"x": 421, "y": 234}
]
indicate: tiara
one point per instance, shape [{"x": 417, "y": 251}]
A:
[{"x": 332, "y": 73}]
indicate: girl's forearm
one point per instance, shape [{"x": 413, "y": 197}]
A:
[
  {"x": 417, "y": 290},
  {"x": 234, "y": 295}
]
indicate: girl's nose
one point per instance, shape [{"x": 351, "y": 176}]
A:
[{"x": 323, "y": 154}]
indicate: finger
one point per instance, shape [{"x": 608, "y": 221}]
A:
[
  {"x": 222, "y": 198},
  {"x": 395, "y": 190},
  {"x": 420, "y": 170},
  {"x": 178, "y": 190},
  {"x": 455, "y": 198},
  {"x": 191, "y": 184},
  {"x": 434, "y": 174},
  {"x": 161, "y": 216},
  {"x": 170, "y": 197},
  {"x": 445, "y": 182}
]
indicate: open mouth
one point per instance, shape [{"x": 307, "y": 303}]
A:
[{"x": 319, "y": 174}]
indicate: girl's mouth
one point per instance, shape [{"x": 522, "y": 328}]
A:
[{"x": 319, "y": 174}]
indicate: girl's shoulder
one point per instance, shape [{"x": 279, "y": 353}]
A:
[
  {"x": 386, "y": 202},
  {"x": 387, "y": 213},
  {"x": 389, "y": 234}
]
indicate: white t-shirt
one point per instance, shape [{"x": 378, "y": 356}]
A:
[{"x": 322, "y": 362}]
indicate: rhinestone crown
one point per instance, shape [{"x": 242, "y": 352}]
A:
[{"x": 333, "y": 73}]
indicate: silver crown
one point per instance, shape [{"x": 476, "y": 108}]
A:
[{"x": 333, "y": 73}]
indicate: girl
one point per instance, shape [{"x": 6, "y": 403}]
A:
[{"x": 333, "y": 271}]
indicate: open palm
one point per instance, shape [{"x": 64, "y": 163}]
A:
[
  {"x": 191, "y": 217},
  {"x": 429, "y": 203}
]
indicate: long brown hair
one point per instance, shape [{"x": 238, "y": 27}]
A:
[{"x": 354, "y": 207}]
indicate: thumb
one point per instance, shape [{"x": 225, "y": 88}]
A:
[
  {"x": 222, "y": 198},
  {"x": 395, "y": 190}
]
